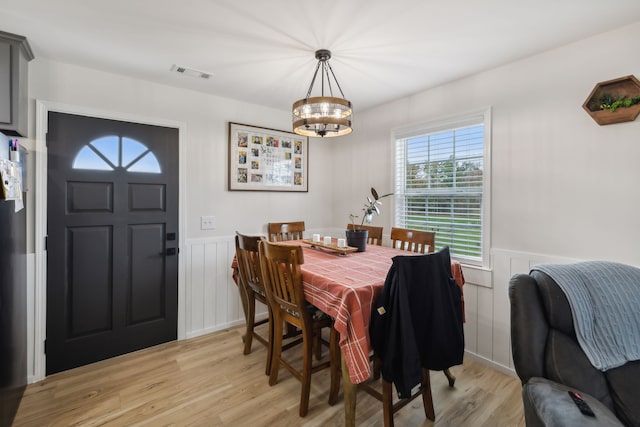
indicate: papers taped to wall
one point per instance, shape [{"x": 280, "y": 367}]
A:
[{"x": 11, "y": 181}]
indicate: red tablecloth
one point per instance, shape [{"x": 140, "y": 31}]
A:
[{"x": 345, "y": 287}]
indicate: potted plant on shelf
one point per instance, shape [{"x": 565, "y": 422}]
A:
[{"x": 356, "y": 236}]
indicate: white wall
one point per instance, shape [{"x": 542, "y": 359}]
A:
[
  {"x": 212, "y": 301},
  {"x": 206, "y": 119},
  {"x": 563, "y": 187}
]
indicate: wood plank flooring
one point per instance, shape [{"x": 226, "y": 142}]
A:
[{"x": 207, "y": 381}]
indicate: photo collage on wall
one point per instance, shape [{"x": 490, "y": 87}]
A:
[{"x": 264, "y": 159}]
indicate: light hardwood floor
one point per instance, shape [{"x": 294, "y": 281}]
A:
[{"x": 206, "y": 381}]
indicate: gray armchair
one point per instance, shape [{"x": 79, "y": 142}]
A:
[{"x": 549, "y": 361}]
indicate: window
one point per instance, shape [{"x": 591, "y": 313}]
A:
[
  {"x": 110, "y": 152},
  {"x": 442, "y": 182}
]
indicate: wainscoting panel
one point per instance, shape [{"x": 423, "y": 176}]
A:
[
  {"x": 501, "y": 311},
  {"x": 471, "y": 318},
  {"x": 485, "y": 322},
  {"x": 494, "y": 325},
  {"x": 213, "y": 302}
]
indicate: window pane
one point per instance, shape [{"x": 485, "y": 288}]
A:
[
  {"x": 109, "y": 147},
  {"x": 148, "y": 163},
  {"x": 439, "y": 187},
  {"x": 130, "y": 150},
  {"x": 88, "y": 159}
]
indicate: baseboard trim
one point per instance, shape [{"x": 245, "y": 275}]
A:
[
  {"x": 223, "y": 326},
  {"x": 498, "y": 367}
]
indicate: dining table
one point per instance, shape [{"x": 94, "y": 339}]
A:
[{"x": 345, "y": 286}]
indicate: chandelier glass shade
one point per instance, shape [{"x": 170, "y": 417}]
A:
[{"x": 323, "y": 116}]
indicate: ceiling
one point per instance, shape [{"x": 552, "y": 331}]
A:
[{"x": 262, "y": 51}]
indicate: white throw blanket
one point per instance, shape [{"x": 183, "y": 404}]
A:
[{"x": 605, "y": 303}]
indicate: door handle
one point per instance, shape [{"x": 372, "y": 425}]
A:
[{"x": 171, "y": 251}]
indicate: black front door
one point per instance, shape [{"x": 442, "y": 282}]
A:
[{"x": 112, "y": 262}]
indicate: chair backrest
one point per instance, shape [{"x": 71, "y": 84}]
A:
[
  {"x": 283, "y": 281},
  {"x": 248, "y": 259},
  {"x": 374, "y": 237},
  {"x": 281, "y": 231},
  {"x": 413, "y": 240}
]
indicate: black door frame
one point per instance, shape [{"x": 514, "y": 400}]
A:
[{"x": 36, "y": 342}]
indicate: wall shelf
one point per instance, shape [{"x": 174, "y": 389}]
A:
[{"x": 627, "y": 86}]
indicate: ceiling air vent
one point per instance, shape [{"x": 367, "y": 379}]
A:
[{"x": 191, "y": 72}]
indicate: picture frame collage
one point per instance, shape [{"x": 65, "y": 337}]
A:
[{"x": 263, "y": 159}]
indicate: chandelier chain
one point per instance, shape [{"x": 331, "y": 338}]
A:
[
  {"x": 336, "y": 80},
  {"x": 313, "y": 80}
]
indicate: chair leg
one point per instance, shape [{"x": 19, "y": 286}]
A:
[
  {"x": 377, "y": 367},
  {"x": 317, "y": 344},
  {"x": 270, "y": 343},
  {"x": 427, "y": 399},
  {"x": 334, "y": 354},
  {"x": 244, "y": 300},
  {"x": 307, "y": 358},
  {"x": 251, "y": 315},
  {"x": 276, "y": 349},
  {"x": 450, "y": 377},
  {"x": 387, "y": 403}
]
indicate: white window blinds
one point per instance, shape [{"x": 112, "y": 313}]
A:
[{"x": 440, "y": 184}]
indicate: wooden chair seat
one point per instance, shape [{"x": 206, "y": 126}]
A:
[{"x": 283, "y": 284}]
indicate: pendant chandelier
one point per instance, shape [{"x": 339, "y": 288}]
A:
[{"x": 322, "y": 115}]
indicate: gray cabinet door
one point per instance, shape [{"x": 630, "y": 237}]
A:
[
  {"x": 15, "y": 54},
  {"x": 5, "y": 83}
]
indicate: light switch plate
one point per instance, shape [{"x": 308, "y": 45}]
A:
[{"x": 207, "y": 223}]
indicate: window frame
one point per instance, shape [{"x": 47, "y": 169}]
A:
[{"x": 480, "y": 116}]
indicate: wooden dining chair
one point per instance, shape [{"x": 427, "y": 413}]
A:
[
  {"x": 251, "y": 287},
  {"x": 421, "y": 242},
  {"x": 432, "y": 315},
  {"x": 283, "y": 284},
  {"x": 374, "y": 237},
  {"x": 282, "y": 231},
  {"x": 413, "y": 240}
]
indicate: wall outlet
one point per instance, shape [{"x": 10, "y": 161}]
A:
[{"x": 207, "y": 223}]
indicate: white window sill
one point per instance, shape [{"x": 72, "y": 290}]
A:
[{"x": 477, "y": 275}]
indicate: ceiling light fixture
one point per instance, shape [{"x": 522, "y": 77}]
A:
[{"x": 322, "y": 115}]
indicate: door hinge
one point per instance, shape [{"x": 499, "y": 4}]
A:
[
  {"x": 46, "y": 242},
  {"x": 45, "y": 346}
]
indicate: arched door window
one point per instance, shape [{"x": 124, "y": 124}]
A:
[{"x": 111, "y": 152}]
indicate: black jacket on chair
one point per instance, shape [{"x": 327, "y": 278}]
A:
[{"x": 417, "y": 320}]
